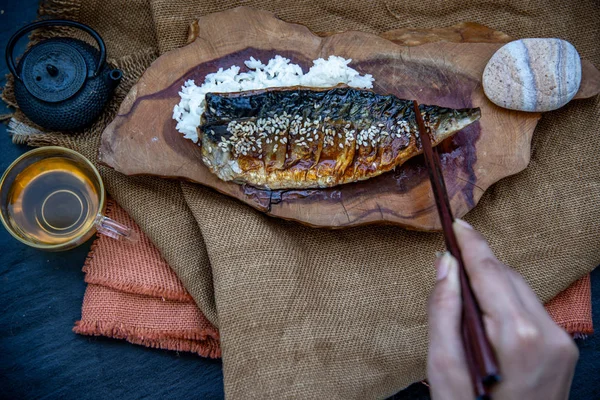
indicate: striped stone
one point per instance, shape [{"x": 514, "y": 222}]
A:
[{"x": 533, "y": 75}]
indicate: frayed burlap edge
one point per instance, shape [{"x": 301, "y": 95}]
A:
[
  {"x": 138, "y": 289},
  {"x": 68, "y": 9},
  {"x": 202, "y": 342}
]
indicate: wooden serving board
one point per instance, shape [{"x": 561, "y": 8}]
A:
[{"x": 426, "y": 65}]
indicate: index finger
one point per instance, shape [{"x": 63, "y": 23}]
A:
[
  {"x": 447, "y": 368},
  {"x": 489, "y": 278}
]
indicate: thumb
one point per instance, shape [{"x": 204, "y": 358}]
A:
[
  {"x": 445, "y": 302},
  {"x": 447, "y": 369}
]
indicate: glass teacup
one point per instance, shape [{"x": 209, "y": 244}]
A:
[{"x": 53, "y": 198}]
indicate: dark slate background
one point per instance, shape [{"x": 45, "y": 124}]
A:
[{"x": 40, "y": 299}]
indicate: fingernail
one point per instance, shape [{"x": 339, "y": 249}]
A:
[
  {"x": 463, "y": 223},
  {"x": 452, "y": 281},
  {"x": 443, "y": 266}
]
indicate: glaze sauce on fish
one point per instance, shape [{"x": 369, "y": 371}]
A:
[{"x": 296, "y": 138}]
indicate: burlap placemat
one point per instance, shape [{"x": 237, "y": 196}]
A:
[
  {"x": 134, "y": 295},
  {"x": 313, "y": 313}
]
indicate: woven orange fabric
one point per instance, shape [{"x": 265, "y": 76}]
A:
[
  {"x": 572, "y": 308},
  {"x": 133, "y": 294}
]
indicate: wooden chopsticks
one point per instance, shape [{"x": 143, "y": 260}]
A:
[{"x": 481, "y": 359}]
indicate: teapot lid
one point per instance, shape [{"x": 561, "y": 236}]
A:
[{"x": 53, "y": 71}]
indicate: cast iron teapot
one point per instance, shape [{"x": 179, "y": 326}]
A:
[{"x": 62, "y": 84}]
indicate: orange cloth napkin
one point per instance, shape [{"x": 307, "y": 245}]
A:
[
  {"x": 133, "y": 294},
  {"x": 572, "y": 308}
]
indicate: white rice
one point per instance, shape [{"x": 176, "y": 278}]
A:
[{"x": 278, "y": 72}]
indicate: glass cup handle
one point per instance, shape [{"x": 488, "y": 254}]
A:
[{"x": 115, "y": 230}]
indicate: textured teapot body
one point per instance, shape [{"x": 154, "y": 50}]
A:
[
  {"x": 79, "y": 110},
  {"x": 62, "y": 83}
]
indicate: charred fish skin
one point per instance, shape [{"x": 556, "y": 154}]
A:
[{"x": 296, "y": 138}]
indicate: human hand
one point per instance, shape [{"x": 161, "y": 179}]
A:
[{"x": 536, "y": 357}]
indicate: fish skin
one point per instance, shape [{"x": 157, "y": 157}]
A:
[{"x": 299, "y": 138}]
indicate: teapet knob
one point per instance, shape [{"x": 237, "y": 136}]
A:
[{"x": 62, "y": 84}]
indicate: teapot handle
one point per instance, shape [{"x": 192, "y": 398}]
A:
[{"x": 53, "y": 22}]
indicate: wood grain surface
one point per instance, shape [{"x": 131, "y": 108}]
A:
[{"x": 439, "y": 66}]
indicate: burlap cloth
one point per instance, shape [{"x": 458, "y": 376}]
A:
[
  {"x": 133, "y": 294},
  {"x": 320, "y": 314}
]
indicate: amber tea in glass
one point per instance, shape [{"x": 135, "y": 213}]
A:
[{"x": 53, "y": 198}]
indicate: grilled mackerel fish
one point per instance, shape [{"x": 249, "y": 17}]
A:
[{"x": 298, "y": 138}]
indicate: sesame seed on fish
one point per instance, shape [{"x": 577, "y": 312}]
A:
[{"x": 342, "y": 139}]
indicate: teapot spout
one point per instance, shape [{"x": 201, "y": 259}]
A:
[{"x": 114, "y": 77}]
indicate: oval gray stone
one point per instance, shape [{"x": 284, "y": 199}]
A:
[{"x": 533, "y": 75}]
